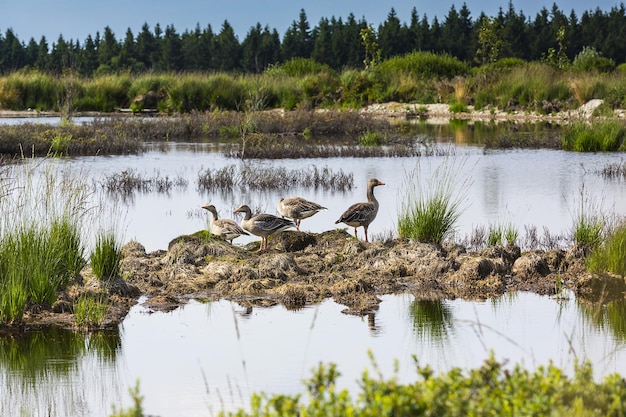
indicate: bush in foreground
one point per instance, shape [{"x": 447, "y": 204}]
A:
[{"x": 490, "y": 390}]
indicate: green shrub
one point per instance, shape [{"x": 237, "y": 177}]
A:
[
  {"x": 590, "y": 60},
  {"x": 106, "y": 256},
  {"x": 492, "y": 389},
  {"x": 371, "y": 138},
  {"x": 299, "y": 67},
  {"x": 423, "y": 65}
]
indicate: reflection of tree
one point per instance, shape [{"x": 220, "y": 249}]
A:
[
  {"x": 431, "y": 319},
  {"x": 611, "y": 317},
  {"x": 57, "y": 372}
]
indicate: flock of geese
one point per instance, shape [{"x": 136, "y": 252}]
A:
[{"x": 292, "y": 210}]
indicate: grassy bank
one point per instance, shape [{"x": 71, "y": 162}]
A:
[{"x": 418, "y": 77}]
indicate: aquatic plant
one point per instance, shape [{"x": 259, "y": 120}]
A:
[
  {"x": 253, "y": 176},
  {"x": 432, "y": 204},
  {"x": 106, "y": 256},
  {"x": 41, "y": 250},
  {"x": 602, "y": 136},
  {"x": 500, "y": 234},
  {"x": 589, "y": 222},
  {"x": 90, "y": 310},
  {"x": 609, "y": 255}
]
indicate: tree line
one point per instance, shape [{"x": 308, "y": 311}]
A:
[{"x": 334, "y": 41}]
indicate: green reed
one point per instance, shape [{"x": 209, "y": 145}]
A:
[
  {"x": 609, "y": 255},
  {"x": 106, "y": 256},
  {"x": 603, "y": 136},
  {"x": 431, "y": 206},
  {"x": 91, "y": 310},
  {"x": 41, "y": 226}
]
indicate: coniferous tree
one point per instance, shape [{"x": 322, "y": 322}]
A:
[
  {"x": 108, "y": 49},
  {"x": 227, "y": 49},
  {"x": 297, "y": 40},
  {"x": 88, "y": 57},
  {"x": 390, "y": 38},
  {"x": 171, "y": 55},
  {"x": 322, "y": 43},
  {"x": 146, "y": 47}
]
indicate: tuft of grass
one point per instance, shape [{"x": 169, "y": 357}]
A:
[
  {"x": 603, "y": 136},
  {"x": 371, "y": 138},
  {"x": 431, "y": 207},
  {"x": 609, "y": 256},
  {"x": 502, "y": 234},
  {"x": 589, "y": 223},
  {"x": 106, "y": 256},
  {"x": 90, "y": 311}
]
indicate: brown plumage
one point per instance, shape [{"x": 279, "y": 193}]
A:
[
  {"x": 226, "y": 228},
  {"x": 263, "y": 225},
  {"x": 297, "y": 208},
  {"x": 362, "y": 214}
]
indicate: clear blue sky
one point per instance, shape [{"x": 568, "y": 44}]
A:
[{"x": 75, "y": 19}]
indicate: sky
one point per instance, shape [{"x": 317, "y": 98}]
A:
[{"x": 76, "y": 19}]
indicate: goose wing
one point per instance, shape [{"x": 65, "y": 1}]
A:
[
  {"x": 270, "y": 223},
  {"x": 359, "y": 213}
]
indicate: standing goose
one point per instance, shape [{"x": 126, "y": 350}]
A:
[
  {"x": 362, "y": 214},
  {"x": 297, "y": 208},
  {"x": 263, "y": 225},
  {"x": 226, "y": 228}
]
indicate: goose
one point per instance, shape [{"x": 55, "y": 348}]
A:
[
  {"x": 226, "y": 228},
  {"x": 263, "y": 225},
  {"x": 298, "y": 208},
  {"x": 362, "y": 214}
]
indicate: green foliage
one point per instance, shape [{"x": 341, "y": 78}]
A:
[
  {"x": 371, "y": 138},
  {"x": 609, "y": 256},
  {"x": 491, "y": 389},
  {"x": 106, "y": 256},
  {"x": 603, "y": 136},
  {"x": 502, "y": 234},
  {"x": 589, "y": 223},
  {"x": 90, "y": 311},
  {"x": 431, "y": 206},
  {"x": 136, "y": 410},
  {"x": 372, "y": 50},
  {"x": 422, "y": 65},
  {"x": 589, "y": 59},
  {"x": 458, "y": 107},
  {"x": 298, "y": 67}
]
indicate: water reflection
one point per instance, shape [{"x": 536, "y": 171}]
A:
[
  {"x": 608, "y": 317},
  {"x": 432, "y": 320},
  {"x": 57, "y": 372}
]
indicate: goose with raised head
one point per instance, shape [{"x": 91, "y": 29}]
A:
[
  {"x": 263, "y": 224},
  {"x": 298, "y": 208},
  {"x": 362, "y": 214},
  {"x": 226, "y": 228}
]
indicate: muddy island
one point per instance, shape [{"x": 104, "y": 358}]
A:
[{"x": 301, "y": 269}]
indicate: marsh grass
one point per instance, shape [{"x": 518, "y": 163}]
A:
[
  {"x": 602, "y": 136},
  {"x": 261, "y": 177},
  {"x": 609, "y": 255},
  {"x": 431, "y": 206},
  {"x": 502, "y": 234},
  {"x": 589, "y": 222},
  {"x": 41, "y": 231},
  {"x": 90, "y": 310},
  {"x": 615, "y": 170},
  {"x": 106, "y": 256},
  {"x": 128, "y": 182}
]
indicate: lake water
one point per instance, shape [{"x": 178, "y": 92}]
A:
[{"x": 205, "y": 357}]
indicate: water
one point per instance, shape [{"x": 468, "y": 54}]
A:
[
  {"x": 539, "y": 188},
  {"x": 202, "y": 358},
  {"x": 205, "y": 357}
]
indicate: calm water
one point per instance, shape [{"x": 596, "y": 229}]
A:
[
  {"x": 540, "y": 188},
  {"x": 203, "y": 358}
]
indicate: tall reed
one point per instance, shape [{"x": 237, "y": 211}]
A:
[
  {"x": 609, "y": 256},
  {"x": 106, "y": 256},
  {"x": 603, "y": 136}
]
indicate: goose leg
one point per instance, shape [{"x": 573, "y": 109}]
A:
[{"x": 365, "y": 228}]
